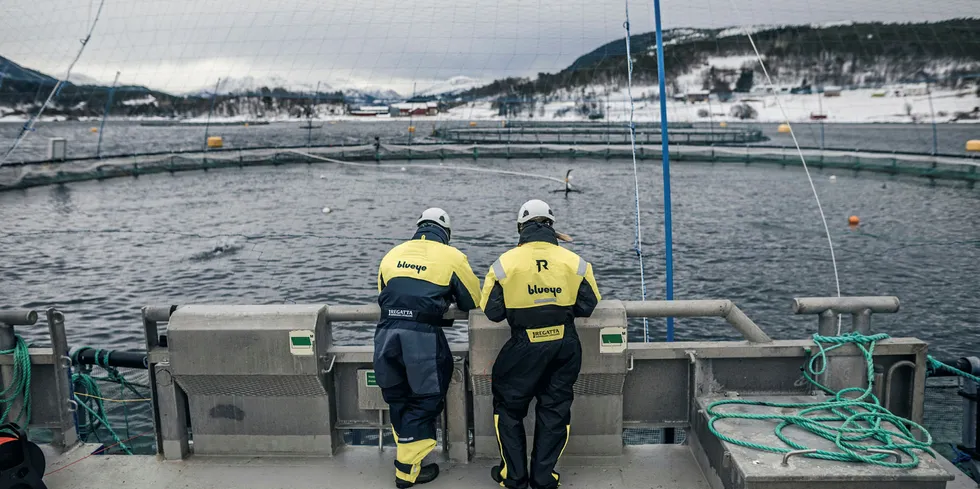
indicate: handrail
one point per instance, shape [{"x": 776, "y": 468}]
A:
[
  {"x": 650, "y": 309},
  {"x": 18, "y": 317},
  {"x": 699, "y": 308},
  {"x": 158, "y": 313},
  {"x": 845, "y": 305},
  {"x": 372, "y": 312}
]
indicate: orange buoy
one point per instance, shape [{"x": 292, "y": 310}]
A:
[
  {"x": 853, "y": 220},
  {"x": 472, "y": 123},
  {"x": 93, "y": 130},
  {"x": 784, "y": 128},
  {"x": 411, "y": 128},
  {"x": 973, "y": 145}
]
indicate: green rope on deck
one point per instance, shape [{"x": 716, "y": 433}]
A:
[
  {"x": 853, "y": 424},
  {"x": 19, "y": 386},
  {"x": 93, "y": 403}
]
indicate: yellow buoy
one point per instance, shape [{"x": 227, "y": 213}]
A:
[
  {"x": 472, "y": 123},
  {"x": 215, "y": 142},
  {"x": 94, "y": 130},
  {"x": 973, "y": 145},
  {"x": 784, "y": 128},
  {"x": 853, "y": 220},
  {"x": 411, "y": 129},
  {"x": 723, "y": 124}
]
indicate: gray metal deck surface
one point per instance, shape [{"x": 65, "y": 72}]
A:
[{"x": 646, "y": 467}]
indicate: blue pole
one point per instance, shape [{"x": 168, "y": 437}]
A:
[
  {"x": 668, "y": 236},
  {"x": 108, "y": 105}
]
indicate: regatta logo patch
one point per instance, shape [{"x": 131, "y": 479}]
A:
[
  {"x": 534, "y": 289},
  {"x": 412, "y": 266},
  {"x": 550, "y": 333},
  {"x": 401, "y": 313}
]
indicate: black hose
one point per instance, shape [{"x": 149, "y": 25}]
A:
[
  {"x": 125, "y": 359},
  {"x": 959, "y": 363}
]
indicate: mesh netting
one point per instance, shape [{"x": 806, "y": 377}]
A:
[
  {"x": 943, "y": 415},
  {"x": 38, "y": 174}
]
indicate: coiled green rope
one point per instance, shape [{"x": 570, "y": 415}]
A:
[
  {"x": 20, "y": 386},
  {"x": 853, "y": 424}
]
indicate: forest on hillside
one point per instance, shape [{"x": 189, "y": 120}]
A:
[{"x": 866, "y": 54}]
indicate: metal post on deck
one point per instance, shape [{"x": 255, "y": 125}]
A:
[
  {"x": 826, "y": 326},
  {"x": 8, "y": 341},
  {"x": 861, "y": 321},
  {"x": 969, "y": 393},
  {"x": 65, "y": 434},
  {"x": 845, "y": 370}
]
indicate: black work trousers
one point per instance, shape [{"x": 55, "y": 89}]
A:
[
  {"x": 545, "y": 371},
  {"x": 413, "y": 366}
]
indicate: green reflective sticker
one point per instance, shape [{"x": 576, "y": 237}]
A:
[
  {"x": 370, "y": 380},
  {"x": 612, "y": 340},
  {"x": 608, "y": 339},
  {"x": 301, "y": 342}
]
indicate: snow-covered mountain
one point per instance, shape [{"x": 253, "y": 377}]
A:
[
  {"x": 372, "y": 93},
  {"x": 85, "y": 80},
  {"x": 453, "y": 86},
  {"x": 254, "y": 84}
]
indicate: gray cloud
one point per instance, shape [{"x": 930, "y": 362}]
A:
[{"x": 185, "y": 44}]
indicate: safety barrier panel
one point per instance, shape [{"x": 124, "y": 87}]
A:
[{"x": 235, "y": 367}]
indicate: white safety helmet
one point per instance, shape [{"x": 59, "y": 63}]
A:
[
  {"x": 436, "y": 216},
  {"x": 537, "y": 209},
  {"x": 534, "y": 209}
]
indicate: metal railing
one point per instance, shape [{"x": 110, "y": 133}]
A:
[
  {"x": 663, "y": 380},
  {"x": 635, "y": 309}
]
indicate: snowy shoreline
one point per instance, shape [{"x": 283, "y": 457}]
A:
[{"x": 851, "y": 106}]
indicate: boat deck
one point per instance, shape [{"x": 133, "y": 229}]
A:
[
  {"x": 642, "y": 467},
  {"x": 647, "y": 467}
]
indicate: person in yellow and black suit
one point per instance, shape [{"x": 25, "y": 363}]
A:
[
  {"x": 417, "y": 281},
  {"x": 540, "y": 288}
]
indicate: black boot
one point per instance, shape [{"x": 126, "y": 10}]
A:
[
  {"x": 427, "y": 473},
  {"x": 495, "y": 474}
]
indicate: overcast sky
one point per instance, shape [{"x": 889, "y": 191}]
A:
[{"x": 180, "y": 45}]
